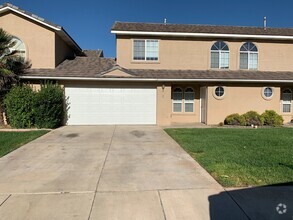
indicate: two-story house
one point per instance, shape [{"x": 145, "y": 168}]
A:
[
  {"x": 164, "y": 73},
  {"x": 205, "y": 73}
]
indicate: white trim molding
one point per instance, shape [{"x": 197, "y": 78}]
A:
[
  {"x": 210, "y": 35},
  {"x": 153, "y": 79}
]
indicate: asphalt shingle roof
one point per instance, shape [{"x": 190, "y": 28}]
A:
[
  {"x": 78, "y": 67},
  {"x": 194, "y": 28},
  {"x": 95, "y": 67}
]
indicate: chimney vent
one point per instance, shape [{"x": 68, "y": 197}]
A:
[
  {"x": 265, "y": 23},
  {"x": 165, "y": 21}
]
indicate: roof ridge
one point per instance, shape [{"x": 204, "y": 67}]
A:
[{"x": 200, "y": 25}]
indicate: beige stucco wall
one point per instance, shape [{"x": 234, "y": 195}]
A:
[
  {"x": 194, "y": 53},
  {"x": 62, "y": 50},
  {"x": 39, "y": 41},
  {"x": 237, "y": 99},
  {"x": 44, "y": 48},
  {"x": 240, "y": 99}
]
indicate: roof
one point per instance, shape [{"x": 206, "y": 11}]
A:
[
  {"x": 59, "y": 30},
  {"x": 97, "y": 68},
  {"x": 93, "y": 53},
  {"x": 200, "y": 30},
  {"x": 78, "y": 67}
]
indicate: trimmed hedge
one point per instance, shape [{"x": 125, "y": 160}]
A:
[
  {"x": 235, "y": 119},
  {"x": 272, "y": 118},
  {"x": 253, "y": 118},
  {"x": 26, "y": 108},
  {"x": 269, "y": 117},
  {"x": 19, "y": 103},
  {"x": 48, "y": 110}
]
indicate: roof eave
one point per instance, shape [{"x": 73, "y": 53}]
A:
[
  {"x": 202, "y": 35},
  {"x": 156, "y": 79},
  {"x": 57, "y": 29}
]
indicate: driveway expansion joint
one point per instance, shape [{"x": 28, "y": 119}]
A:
[
  {"x": 5, "y": 200},
  {"x": 162, "y": 206},
  {"x": 97, "y": 185}
]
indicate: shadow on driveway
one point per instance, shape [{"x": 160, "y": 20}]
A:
[{"x": 267, "y": 202}]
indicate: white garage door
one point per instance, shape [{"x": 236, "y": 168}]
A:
[{"x": 94, "y": 106}]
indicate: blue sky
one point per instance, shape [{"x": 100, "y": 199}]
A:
[{"x": 89, "y": 21}]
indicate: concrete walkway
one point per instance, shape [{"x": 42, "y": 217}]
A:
[{"x": 109, "y": 172}]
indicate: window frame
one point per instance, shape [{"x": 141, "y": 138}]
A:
[
  {"x": 219, "y": 97},
  {"x": 263, "y": 92},
  {"x": 189, "y": 101},
  {"x": 248, "y": 52},
  {"x": 177, "y": 101},
  {"x": 286, "y": 103},
  {"x": 145, "y": 50},
  {"x": 183, "y": 101},
  {"x": 220, "y": 51},
  {"x": 22, "y": 52}
]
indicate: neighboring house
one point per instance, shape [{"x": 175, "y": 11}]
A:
[{"x": 164, "y": 73}]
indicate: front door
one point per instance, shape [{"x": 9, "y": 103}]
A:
[{"x": 203, "y": 104}]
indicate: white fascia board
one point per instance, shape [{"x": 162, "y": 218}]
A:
[
  {"x": 30, "y": 17},
  {"x": 176, "y": 34},
  {"x": 156, "y": 80}
]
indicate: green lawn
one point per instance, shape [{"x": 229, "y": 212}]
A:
[
  {"x": 241, "y": 157},
  {"x": 9, "y": 141}
]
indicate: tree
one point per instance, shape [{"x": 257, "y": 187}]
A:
[{"x": 11, "y": 66}]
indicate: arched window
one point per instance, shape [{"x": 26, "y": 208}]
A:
[
  {"x": 220, "y": 55},
  {"x": 248, "y": 56},
  {"x": 286, "y": 100},
  {"x": 19, "y": 47},
  {"x": 177, "y": 99},
  {"x": 188, "y": 100}
]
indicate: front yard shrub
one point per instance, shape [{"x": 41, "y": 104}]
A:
[
  {"x": 253, "y": 118},
  {"x": 19, "y": 104},
  {"x": 272, "y": 118},
  {"x": 48, "y": 106},
  {"x": 43, "y": 109},
  {"x": 235, "y": 119}
]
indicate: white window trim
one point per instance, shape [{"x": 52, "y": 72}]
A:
[
  {"x": 183, "y": 101},
  {"x": 263, "y": 93},
  {"x": 20, "y": 50},
  {"x": 177, "y": 101},
  {"x": 248, "y": 56},
  {"x": 189, "y": 101},
  {"x": 220, "y": 56},
  {"x": 286, "y": 102},
  {"x": 145, "y": 51},
  {"x": 219, "y": 97}
]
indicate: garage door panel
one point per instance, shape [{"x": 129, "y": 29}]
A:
[{"x": 111, "y": 105}]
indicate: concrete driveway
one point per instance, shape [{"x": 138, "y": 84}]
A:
[{"x": 108, "y": 172}]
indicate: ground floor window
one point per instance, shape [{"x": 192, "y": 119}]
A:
[
  {"x": 177, "y": 100},
  {"x": 183, "y": 99},
  {"x": 286, "y": 100}
]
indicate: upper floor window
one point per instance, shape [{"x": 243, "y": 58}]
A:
[
  {"x": 220, "y": 55},
  {"x": 19, "y": 47},
  {"x": 146, "y": 50},
  {"x": 248, "y": 56}
]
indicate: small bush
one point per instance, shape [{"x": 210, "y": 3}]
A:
[
  {"x": 221, "y": 124},
  {"x": 235, "y": 119},
  {"x": 49, "y": 108},
  {"x": 253, "y": 118},
  {"x": 19, "y": 104},
  {"x": 272, "y": 118}
]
